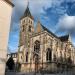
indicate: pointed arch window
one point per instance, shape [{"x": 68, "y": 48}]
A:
[
  {"x": 37, "y": 46},
  {"x": 27, "y": 57},
  {"x": 23, "y": 21},
  {"x": 31, "y": 22},
  {"x": 49, "y": 55},
  {"x": 23, "y": 28},
  {"x": 54, "y": 57},
  {"x": 29, "y": 29}
]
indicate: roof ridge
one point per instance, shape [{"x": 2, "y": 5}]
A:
[
  {"x": 45, "y": 28},
  {"x": 64, "y": 35}
]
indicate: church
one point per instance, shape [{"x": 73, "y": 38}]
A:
[{"x": 40, "y": 48}]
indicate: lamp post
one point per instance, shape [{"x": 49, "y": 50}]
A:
[
  {"x": 42, "y": 59},
  {"x": 36, "y": 56},
  {"x": 30, "y": 64}
]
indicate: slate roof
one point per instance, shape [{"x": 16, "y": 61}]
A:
[
  {"x": 64, "y": 38},
  {"x": 27, "y": 13},
  {"x": 44, "y": 28}
]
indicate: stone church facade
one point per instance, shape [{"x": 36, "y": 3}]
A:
[{"x": 41, "y": 48}]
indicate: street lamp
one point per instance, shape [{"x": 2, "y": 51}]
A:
[{"x": 30, "y": 64}]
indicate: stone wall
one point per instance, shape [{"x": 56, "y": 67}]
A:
[{"x": 5, "y": 19}]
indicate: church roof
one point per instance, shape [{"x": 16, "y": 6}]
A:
[
  {"x": 27, "y": 13},
  {"x": 64, "y": 38},
  {"x": 46, "y": 29},
  {"x": 41, "y": 27}
]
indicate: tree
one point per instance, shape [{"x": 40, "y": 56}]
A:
[{"x": 10, "y": 63}]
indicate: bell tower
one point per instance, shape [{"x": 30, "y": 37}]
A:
[{"x": 26, "y": 27}]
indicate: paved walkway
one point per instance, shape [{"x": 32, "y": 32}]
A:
[{"x": 16, "y": 73}]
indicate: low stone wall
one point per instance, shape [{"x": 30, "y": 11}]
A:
[{"x": 27, "y": 67}]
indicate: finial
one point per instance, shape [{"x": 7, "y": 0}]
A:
[
  {"x": 70, "y": 38},
  {"x": 28, "y": 4},
  {"x": 38, "y": 19}
]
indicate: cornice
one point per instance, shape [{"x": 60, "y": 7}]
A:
[{"x": 9, "y": 2}]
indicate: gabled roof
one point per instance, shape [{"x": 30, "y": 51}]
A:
[
  {"x": 64, "y": 38},
  {"x": 41, "y": 27},
  {"x": 27, "y": 13},
  {"x": 44, "y": 28}
]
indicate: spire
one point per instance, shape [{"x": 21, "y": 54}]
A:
[
  {"x": 70, "y": 38},
  {"x": 28, "y": 4},
  {"x": 27, "y": 12},
  {"x": 39, "y": 20}
]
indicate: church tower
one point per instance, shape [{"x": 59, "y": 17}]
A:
[
  {"x": 26, "y": 27},
  {"x": 26, "y": 30}
]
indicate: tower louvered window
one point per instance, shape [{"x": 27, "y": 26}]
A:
[
  {"x": 23, "y": 28},
  {"x": 29, "y": 28},
  {"x": 27, "y": 57}
]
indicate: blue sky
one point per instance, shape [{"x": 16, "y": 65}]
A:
[{"x": 57, "y": 15}]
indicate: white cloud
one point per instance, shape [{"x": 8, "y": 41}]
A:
[
  {"x": 36, "y": 7},
  {"x": 66, "y": 22}
]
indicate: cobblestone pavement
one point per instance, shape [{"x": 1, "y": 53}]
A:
[{"x": 19, "y": 73}]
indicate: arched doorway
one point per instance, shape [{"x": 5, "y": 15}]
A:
[
  {"x": 36, "y": 54},
  {"x": 49, "y": 55}
]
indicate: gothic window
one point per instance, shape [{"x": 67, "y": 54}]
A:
[
  {"x": 54, "y": 43},
  {"x": 50, "y": 42},
  {"x": 27, "y": 57},
  {"x": 57, "y": 44},
  {"x": 29, "y": 28},
  {"x": 46, "y": 40},
  {"x": 31, "y": 22},
  {"x": 43, "y": 40},
  {"x": 54, "y": 57},
  {"x": 37, "y": 46},
  {"x": 21, "y": 57},
  {"x": 28, "y": 43},
  {"x": 61, "y": 58},
  {"x": 62, "y": 46},
  {"x": 49, "y": 55},
  {"x": 23, "y": 21},
  {"x": 23, "y": 28}
]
